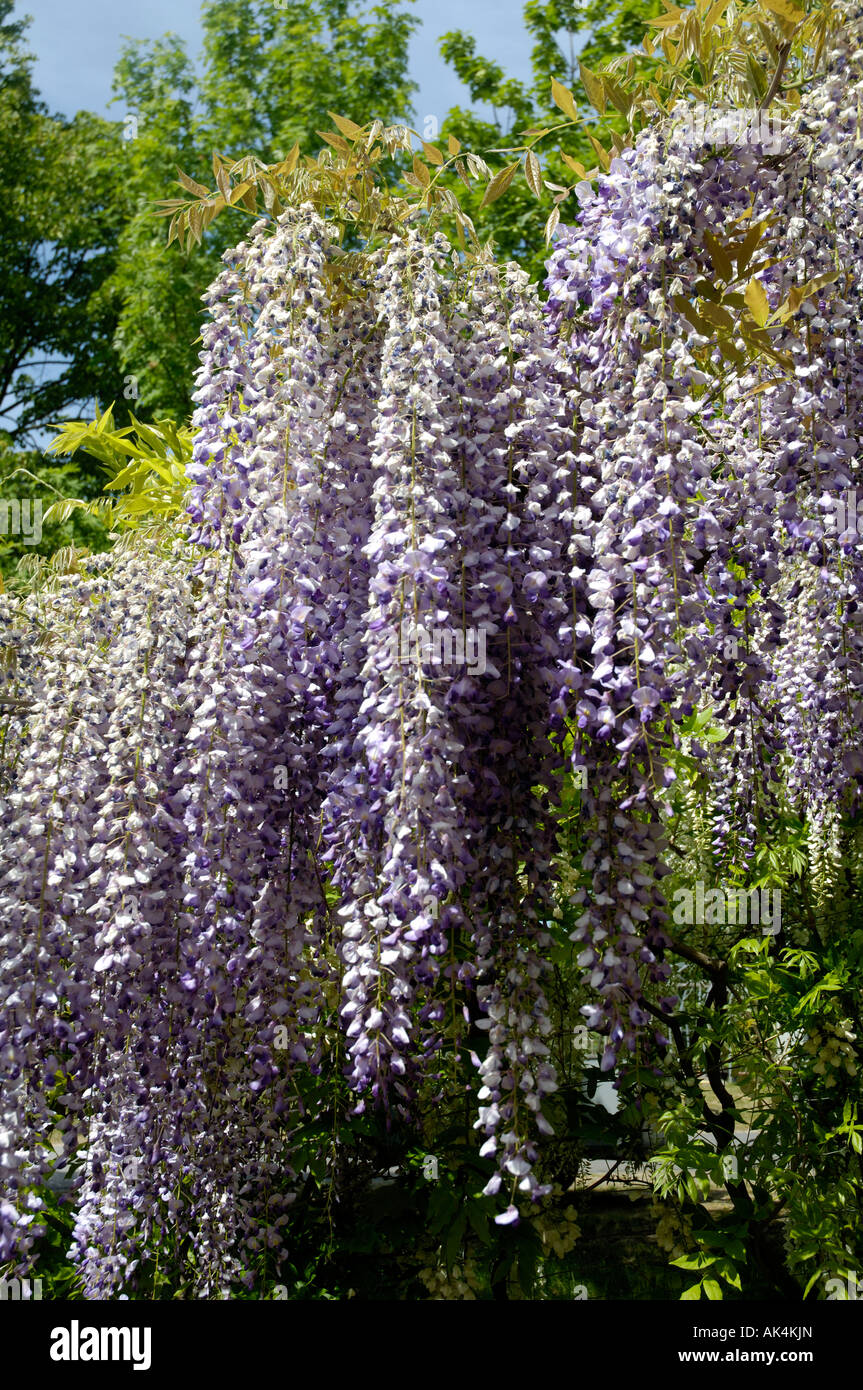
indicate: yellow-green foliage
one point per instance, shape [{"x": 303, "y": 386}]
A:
[{"x": 145, "y": 466}]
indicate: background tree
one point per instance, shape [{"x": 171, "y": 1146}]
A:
[
  {"x": 60, "y": 218},
  {"x": 563, "y": 33},
  {"x": 268, "y": 78}
]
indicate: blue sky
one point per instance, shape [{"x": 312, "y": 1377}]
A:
[{"x": 78, "y": 41}]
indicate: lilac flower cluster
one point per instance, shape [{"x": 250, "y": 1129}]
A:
[
  {"x": 703, "y": 510},
  {"x": 244, "y": 841},
  {"x": 371, "y": 443}
]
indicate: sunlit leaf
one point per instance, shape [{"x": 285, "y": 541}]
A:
[
  {"x": 785, "y": 10},
  {"x": 574, "y": 164},
  {"x": 499, "y": 184},
  {"x": 619, "y": 99},
  {"x": 552, "y": 224},
  {"x": 563, "y": 98},
  {"x": 715, "y": 13},
  {"x": 594, "y": 86},
  {"x": 421, "y": 172},
  {"x": 600, "y": 152},
  {"x": 756, "y": 302},
  {"x": 197, "y": 188},
  {"x": 348, "y": 128},
  {"x": 533, "y": 173},
  {"x": 289, "y": 163}
]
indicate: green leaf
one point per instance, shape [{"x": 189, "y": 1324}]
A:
[
  {"x": 756, "y": 77},
  {"x": 730, "y": 351},
  {"x": 744, "y": 251},
  {"x": 712, "y": 1290},
  {"x": 819, "y": 1274},
  {"x": 764, "y": 386},
  {"x": 665, "y": 21},
  {"x": 601, "y": 153},
  {"x": 533, "y": 173},
  {"x": 756, "y": 302},
  {"x": 348, "y": 128},
  {"x": 719, "y": 256},
  {"x": 700, "y": 1260},
  {"x": 443, "y": 1205},
  {"x": 421, "y": 172},
  {"x": 720, "y": 318},
  {"x": 563, "y": 98},
  {"x": 573, "y": 164},
  {"x": 289, "y": 163},
  {"x": 785, "y": 10},
  {"x": 594, "y": 85},
  {"x": 692, "y": 1294},
  {"x": 728, "y": 1272},
  {"x": 338, "y": 142},
  {"x": 619, "y": 99},
  {"x": 689, "y": 312},
  {"x": 499, "y": 184},
  {"x": 197, "y": 188},
  {"x": 799, "y": 293},
  {"x": 715, "y": 13}
]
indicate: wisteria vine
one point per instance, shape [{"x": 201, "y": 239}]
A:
[{"x": 285, "y": 789}]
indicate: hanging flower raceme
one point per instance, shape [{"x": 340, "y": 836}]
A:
[
  {"x": 705, "y": 477},
  {"x": 88, "y": 864},
  {"x": 453, "y": 843},
  {"x": 281, "y": 799},
  {"x": 348, "y": 688}
]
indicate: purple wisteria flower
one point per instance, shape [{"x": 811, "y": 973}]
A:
[{"x": 256, "y": 832}]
